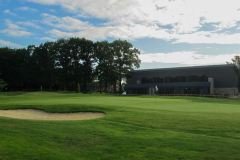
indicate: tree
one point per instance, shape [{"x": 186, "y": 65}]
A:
[
  {"x": 63, "y": 62},
  {"x": 74, "y": 59},
  {"x": 13, "y": 67},
  {"x": 43, "y": 64},
  {"x": 86, "y": 50},
  {"x": 82, "y": 61},
  {"x": 3, "y": 84},
  {"x": 105, "y": 71},
  {"x": 125, "y": 59},
  {"x": 236, "y": 61},
  {"x": 67, "y": 64}
]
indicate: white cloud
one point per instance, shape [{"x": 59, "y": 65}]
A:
[
  {"x": 9, "y": 12},
  {"x": 73, "y": 27},
  {"x": 66, "y": 23},
  {"x": 32, "y": 24},
  {"x": 186, "y": 58},
  {"x": 208, "y": 37},
  {"x": 91, "y": 33},
  {"x": 69, "y": 26},
  {"x": 4, "y": 43},
  {"x": 47, "y": 39},
  {"x": 134, "y": 19},
  {"x": 26, "y": 8},
  {"x": 15, "y": 30}
]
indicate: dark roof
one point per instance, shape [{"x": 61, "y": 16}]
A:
[{"x": 189, "y": 67}]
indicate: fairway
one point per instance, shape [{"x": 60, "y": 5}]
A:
[{"x": 133, "y": 128}]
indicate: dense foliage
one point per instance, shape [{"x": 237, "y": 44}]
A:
[{"x": 68, "y": 64}]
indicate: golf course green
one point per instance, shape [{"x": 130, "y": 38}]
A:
[{"x": 133, "y": 128}]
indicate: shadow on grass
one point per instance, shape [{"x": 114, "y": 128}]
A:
[{"x": 59, "y": 108}]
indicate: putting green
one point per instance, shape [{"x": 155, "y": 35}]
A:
[{"x": 31, "y": 114}]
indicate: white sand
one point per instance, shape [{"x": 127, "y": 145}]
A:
[{"x": 31, "y": 114}]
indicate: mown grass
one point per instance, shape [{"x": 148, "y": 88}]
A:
[{"x": 135, "y": 128}]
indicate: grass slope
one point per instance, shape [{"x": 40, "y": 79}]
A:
[{"x": 135, "y": 128}]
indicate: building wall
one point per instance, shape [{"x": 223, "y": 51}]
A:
[
  {"x": 224, "y": 78},
  {"x": 224, "y": 75},
  {"x": 226, "y": 91},
  {"x": 211, "y": 88}
]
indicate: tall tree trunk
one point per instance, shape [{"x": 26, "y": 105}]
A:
[
  {"x": 100, "y": 86},
  {"x": 120, "y": 86},
  {"x": 84, "y": 86},
  {"x": 105, "y": 86},
  {"x": 115, "y": 87},
  {"x": 78, "y": 87}
]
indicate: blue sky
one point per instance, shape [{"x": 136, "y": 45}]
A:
[{"x": 169, "y": 33}]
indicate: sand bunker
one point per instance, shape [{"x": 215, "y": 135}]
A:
[{"x": 31, "y": 114}]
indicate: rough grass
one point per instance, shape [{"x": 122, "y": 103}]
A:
[{"x": 135, "y": 128}]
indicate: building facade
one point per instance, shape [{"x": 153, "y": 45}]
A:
[{"x": 199, "y": 80}]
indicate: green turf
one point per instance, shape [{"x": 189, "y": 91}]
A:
[{"x": 135, "y": 128}]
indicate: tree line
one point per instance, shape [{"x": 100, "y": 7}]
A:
[{"x": 74, "y": 64}]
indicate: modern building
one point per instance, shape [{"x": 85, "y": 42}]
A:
[{"x": 200, "y": 80}]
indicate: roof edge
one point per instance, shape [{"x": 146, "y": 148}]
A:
[{"x": 204, "y": 66}]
